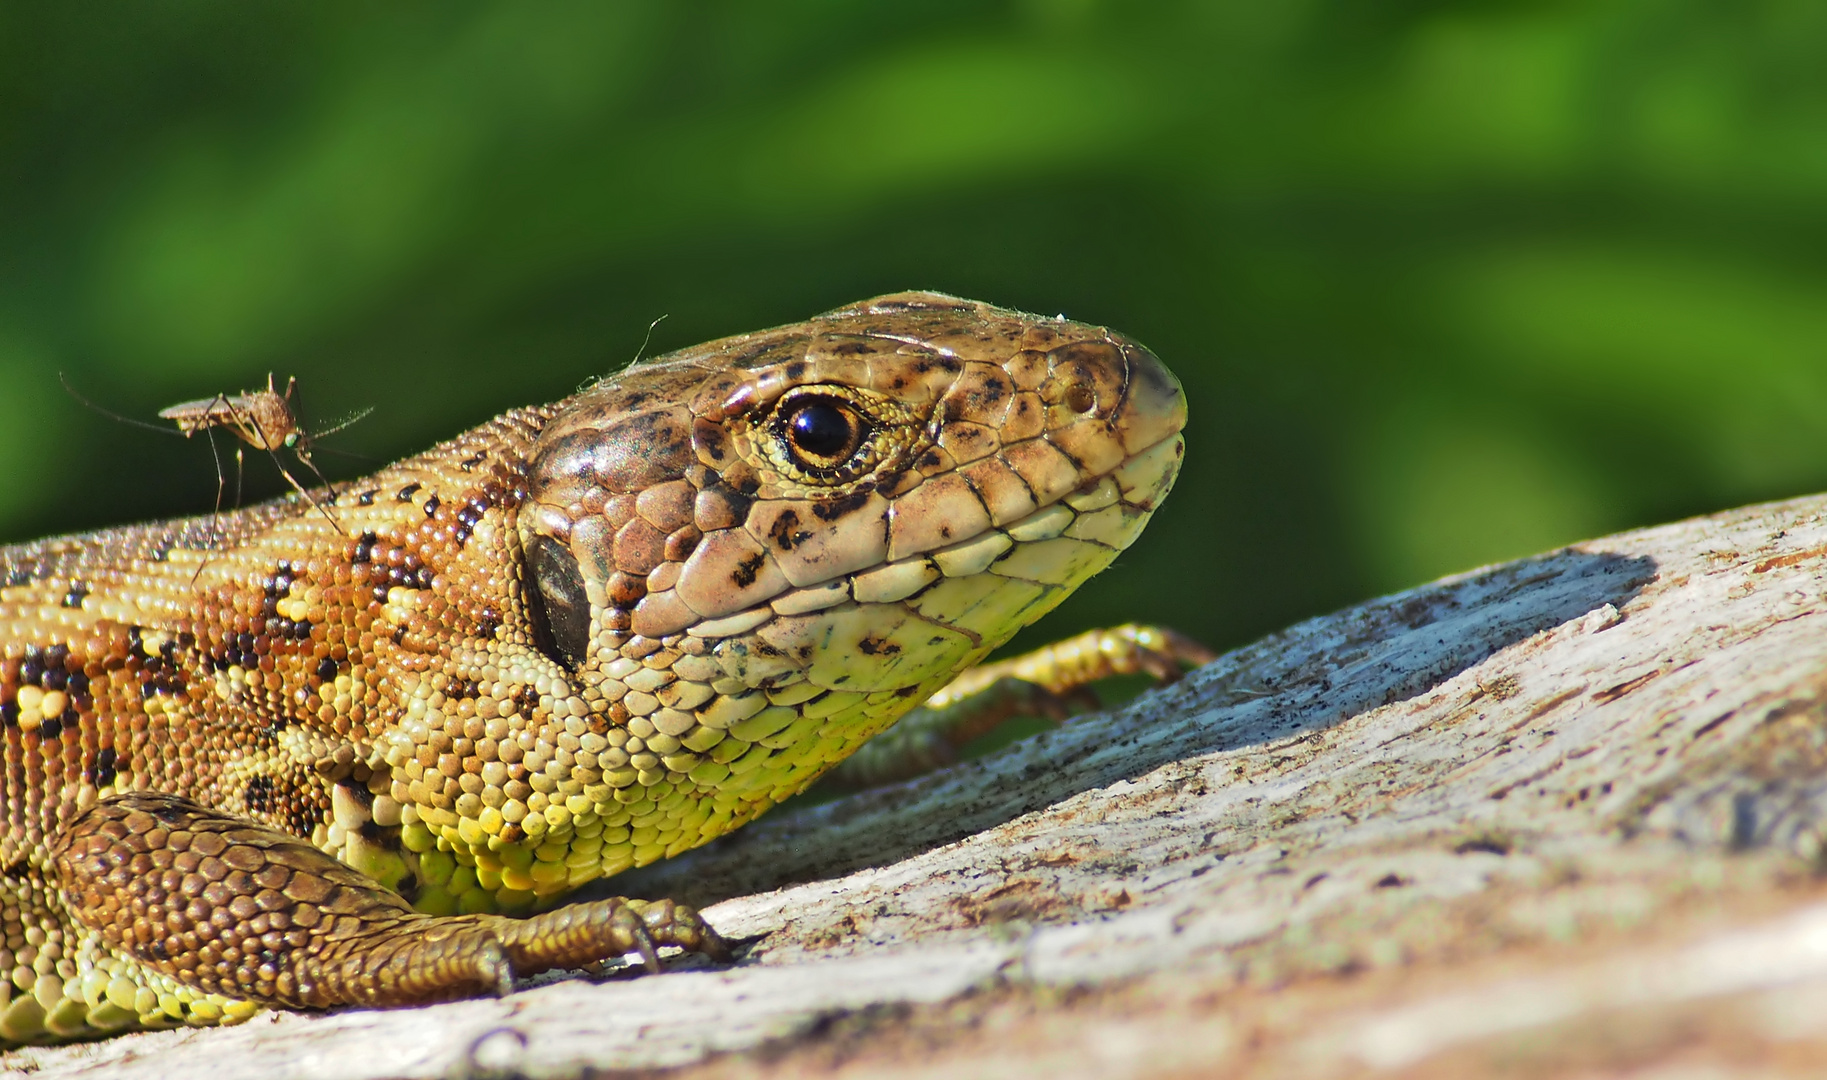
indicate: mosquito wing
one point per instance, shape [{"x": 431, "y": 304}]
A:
[{"x": 259, "y": 418}]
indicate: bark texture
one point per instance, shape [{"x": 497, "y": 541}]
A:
[{"x": 1566, "y": 815}]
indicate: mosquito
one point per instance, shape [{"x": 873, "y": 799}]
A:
[{"x": 265, "y": 420}]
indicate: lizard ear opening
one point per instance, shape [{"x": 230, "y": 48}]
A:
[{"x": 559, "y": 606}]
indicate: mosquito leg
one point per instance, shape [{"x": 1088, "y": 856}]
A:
[
  {"x": 300, "y": 488},
  {"x": 215, "y": 458},
  {"x": 305, "y": 456},
  {"x": 215, "y": 515}
]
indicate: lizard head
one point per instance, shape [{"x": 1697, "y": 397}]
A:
[
  {"x": 724, "y": 569},
  {"x": 789, "y": 538}
]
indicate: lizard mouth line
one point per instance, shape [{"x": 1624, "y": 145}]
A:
[{"x": 1048, "y": 547}]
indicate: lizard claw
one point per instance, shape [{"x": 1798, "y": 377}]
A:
[
  {"x": 671, "y": 923},
  {"x": 579, "y": 935}
]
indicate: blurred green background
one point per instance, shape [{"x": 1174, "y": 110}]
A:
[{"x": 1447, "y": 283}]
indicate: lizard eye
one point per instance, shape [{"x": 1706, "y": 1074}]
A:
[
  {"x": 560, "y": 606},
  {"x": 821, "y": 434}
]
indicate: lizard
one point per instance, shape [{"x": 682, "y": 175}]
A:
[{"x": 252, "y": 760}]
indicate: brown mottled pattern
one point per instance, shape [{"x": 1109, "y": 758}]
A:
[{"x": 300, "y": 758}]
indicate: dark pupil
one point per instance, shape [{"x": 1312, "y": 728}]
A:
[{"x": 822, "y": 430}]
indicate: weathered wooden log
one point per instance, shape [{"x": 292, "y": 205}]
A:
[{"x": 1564, "y": 814}]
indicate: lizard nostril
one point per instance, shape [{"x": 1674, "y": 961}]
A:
[{"x": 1081, "y": 398}]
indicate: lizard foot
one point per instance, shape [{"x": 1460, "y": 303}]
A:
[{"x": 581, "y": 935}]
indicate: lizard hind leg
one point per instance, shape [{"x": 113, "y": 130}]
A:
[{"x": 230, "y": 907}]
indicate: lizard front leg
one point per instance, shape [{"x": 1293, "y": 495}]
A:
[
  {"x": 231, "y": 907},
  {"x": 1051, "y": 682}
]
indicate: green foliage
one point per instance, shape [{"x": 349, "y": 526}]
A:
[{"x": 1447, "y": 283}]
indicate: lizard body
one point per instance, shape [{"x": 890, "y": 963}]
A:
[{"x": 280, "y": 757}]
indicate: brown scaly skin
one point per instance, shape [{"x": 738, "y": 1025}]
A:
[{"x": 284, "y": 757}]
